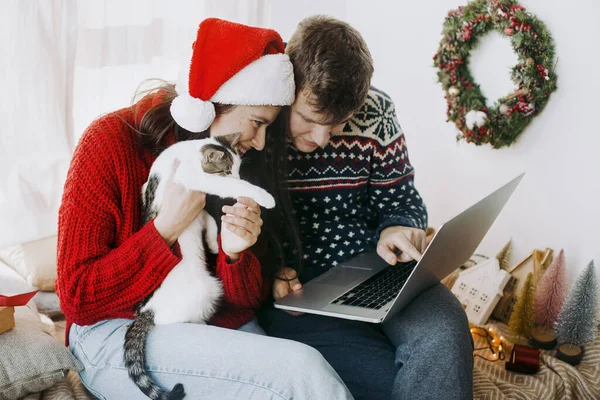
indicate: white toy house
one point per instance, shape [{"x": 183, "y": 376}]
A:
[{"x": 479, "y": 289}]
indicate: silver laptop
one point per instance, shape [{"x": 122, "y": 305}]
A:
[{"x": 366, "y": 288}]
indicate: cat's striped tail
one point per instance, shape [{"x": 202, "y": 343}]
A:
[{"x": 135, "y": 354}]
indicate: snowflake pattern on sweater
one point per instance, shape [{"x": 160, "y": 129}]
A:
[{"x": 346, "y": 193}]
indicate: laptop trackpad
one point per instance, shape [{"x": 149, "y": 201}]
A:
[{"x": 344, "y": 276}]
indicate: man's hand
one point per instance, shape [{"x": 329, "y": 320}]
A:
[
  {"x": 286, "y": 281},
  {"x": 401, "y": 244}
]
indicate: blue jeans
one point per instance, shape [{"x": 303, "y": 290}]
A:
[
  {"x": 210, "y": 362},
  {"x": 423, "y": 352}
]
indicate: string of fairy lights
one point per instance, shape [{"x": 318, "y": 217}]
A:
[{"x": 495, "y": 344}]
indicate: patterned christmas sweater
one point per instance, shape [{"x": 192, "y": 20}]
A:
[{"x": 346, "y": 193}]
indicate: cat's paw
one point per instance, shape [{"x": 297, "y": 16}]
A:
[
  {"x": 213, "y": 246},
  {"x": 263, "y": 198}
]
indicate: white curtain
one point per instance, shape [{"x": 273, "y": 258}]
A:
[
  {"x": 37, "y": 52},
  {"x": 122, "y": 43},
  {"x": 64, "y": 63}
]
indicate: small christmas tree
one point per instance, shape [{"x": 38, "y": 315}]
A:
[
  {"x": 505, "y": 255},
  {"x": 521, "y": 319},
  {"x": 550, "y": 293},
  {"x": 577, "y": 323}
]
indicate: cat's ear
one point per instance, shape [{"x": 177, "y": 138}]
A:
[
  {"x": 212, "y": 155},
  {"x": 231, "y": 140}
]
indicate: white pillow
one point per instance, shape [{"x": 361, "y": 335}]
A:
[{"x": 35, "y": 261}]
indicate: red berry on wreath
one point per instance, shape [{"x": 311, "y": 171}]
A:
[{"x": 508, "y": 31}]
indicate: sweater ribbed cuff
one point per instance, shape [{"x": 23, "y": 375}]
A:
[
  {"x": 157, "y": 252},
  {"x": 242, "y": 280},
  {"x": 222, "y": 258}
]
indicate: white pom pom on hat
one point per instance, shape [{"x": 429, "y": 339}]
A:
[{"x": 192, "y": 114}]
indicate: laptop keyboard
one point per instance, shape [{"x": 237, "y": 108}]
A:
[{"x": 379, "y": 289}]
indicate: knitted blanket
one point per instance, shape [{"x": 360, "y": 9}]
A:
[{"x": 555, "y": 379}]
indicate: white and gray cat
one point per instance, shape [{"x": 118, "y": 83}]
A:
[{"x": 189, "y": 293}]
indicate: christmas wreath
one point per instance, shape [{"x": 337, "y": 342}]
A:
[{"x": 534, "y": 75}]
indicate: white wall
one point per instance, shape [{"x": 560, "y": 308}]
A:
[{"x": 558, "y": 202}]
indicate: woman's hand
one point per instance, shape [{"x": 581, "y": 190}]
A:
[
  {"x": 401, "y": 244},
  {"x": 286, "y": 281},
  {"x": 240, "y": 226},
  {"x": 178, "y": 209}
]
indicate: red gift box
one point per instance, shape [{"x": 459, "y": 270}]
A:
[{"x": 7, "y": 308}]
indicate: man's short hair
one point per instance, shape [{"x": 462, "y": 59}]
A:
[{"x": 332, "y": 61}]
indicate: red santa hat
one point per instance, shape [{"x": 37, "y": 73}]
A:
[{"x": 231, "y": 63}]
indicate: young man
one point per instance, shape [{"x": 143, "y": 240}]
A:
[{"x": 352, "y": 187}]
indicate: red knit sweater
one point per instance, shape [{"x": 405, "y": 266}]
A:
[{"x": 107, "y": 261}]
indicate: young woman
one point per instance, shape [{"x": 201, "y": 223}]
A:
[{"x": 237, "y": 81}]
